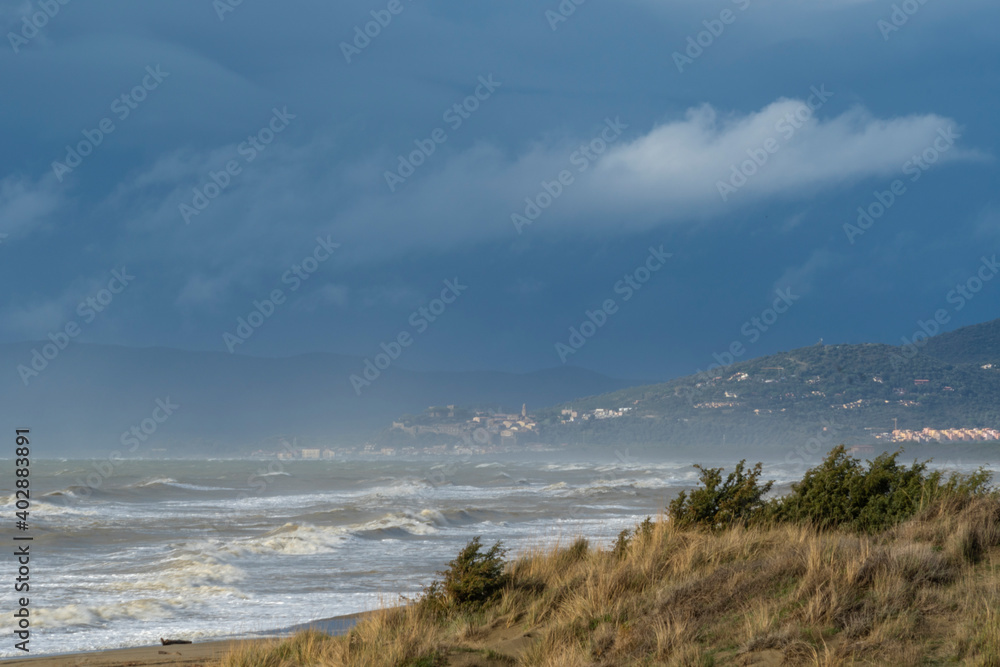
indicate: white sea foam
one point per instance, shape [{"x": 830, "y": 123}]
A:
[
  {"x": 43, "y": 508},
  {"x": 408, "y": 487},
  {"x": 295, "y": 540},
  {"x": 179, "y": 551},
  {"x": 143, "y": 609},
  {"x": 196, "y": 487},
  {"x": 304, "y": 539},
  {"x": 197, "y": 568},
  {"x": 152, "y": 482},
  {"x": 566, "y": 467}
]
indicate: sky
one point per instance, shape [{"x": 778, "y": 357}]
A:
[{"x": 636, "y": 187}]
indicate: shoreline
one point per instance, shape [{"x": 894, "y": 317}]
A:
[{"x": 180, "y": 654}]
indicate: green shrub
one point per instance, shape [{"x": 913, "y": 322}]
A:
[
  {"x": 642, "y": 534},
  {"x": 474, "y": 578},
  {"x": 575, "y": 552},
  {"x": 432, "y": 659},
  {"x": 644, "y": 531},
  {"x": 620, "y": 549},
  {"x": 842, "y": 492},
  {"x": 717, "y": 504},
  {"x": 839, "y": 492}
]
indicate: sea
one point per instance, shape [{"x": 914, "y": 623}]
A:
[{"x": 127, "y": 552}]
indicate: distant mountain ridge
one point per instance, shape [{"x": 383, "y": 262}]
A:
[
  {"x": 976, "y": 344},
  {"x": 826, "y": 393},
  {"x": 88, "y": 395}
]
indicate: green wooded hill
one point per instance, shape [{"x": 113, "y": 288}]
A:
[
  {"x": 835, "y": 393},
  {"x": 977, "y": 344}
]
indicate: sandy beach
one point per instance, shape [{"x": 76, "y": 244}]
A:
[
  {"x": 183, "y": 654},
  {"x": 198, "y": 653}
]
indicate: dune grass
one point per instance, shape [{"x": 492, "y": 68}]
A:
[{"x": 923, "y": 591}]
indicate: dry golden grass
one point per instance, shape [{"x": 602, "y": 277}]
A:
[{"x": 925, "y": 592}]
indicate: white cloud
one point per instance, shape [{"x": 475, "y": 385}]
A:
[
  {"x": 987, "y": 223},
  {"x": 669, "y": 174},
  {"x": 324, "y": 297},
  {"x": 37, "y": 319},
  {"x": 204, "y": 291},
  {"x": 801, "y": 278},
  {"x": 33, "y": 317},
  {"x": 678, "y": 166},
  {"x": 12, "y": 15},
  {"x": 25, "y": 204}
]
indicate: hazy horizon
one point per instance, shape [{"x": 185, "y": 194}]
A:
[{"x": 698, "y": 164}]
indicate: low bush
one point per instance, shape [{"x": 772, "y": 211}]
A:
[
  {"x": 839, "y": 492},
  {"x": 717, "y": 504},
  {"x": 642, "y": 534},
  {"x": 475, "y": 577}
]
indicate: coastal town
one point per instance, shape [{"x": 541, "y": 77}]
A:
[
  {"x": 456, "y": 431},
  {"x": 448, "y": 430},
  {"x": 481, "y": 430},
  {"x": 941, "y": 435}
]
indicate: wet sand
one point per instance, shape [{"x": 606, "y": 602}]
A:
[{"x": 199, "y": 653}]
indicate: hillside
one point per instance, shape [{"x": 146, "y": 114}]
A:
[
  {"x": 823, "y": 393},
  {"x": 976, "y": 344}
]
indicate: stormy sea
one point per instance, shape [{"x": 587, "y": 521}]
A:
[{"x": 128, "y": 553}]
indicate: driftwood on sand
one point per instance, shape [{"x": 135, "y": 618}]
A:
[{"x": 168, "y": 642}]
